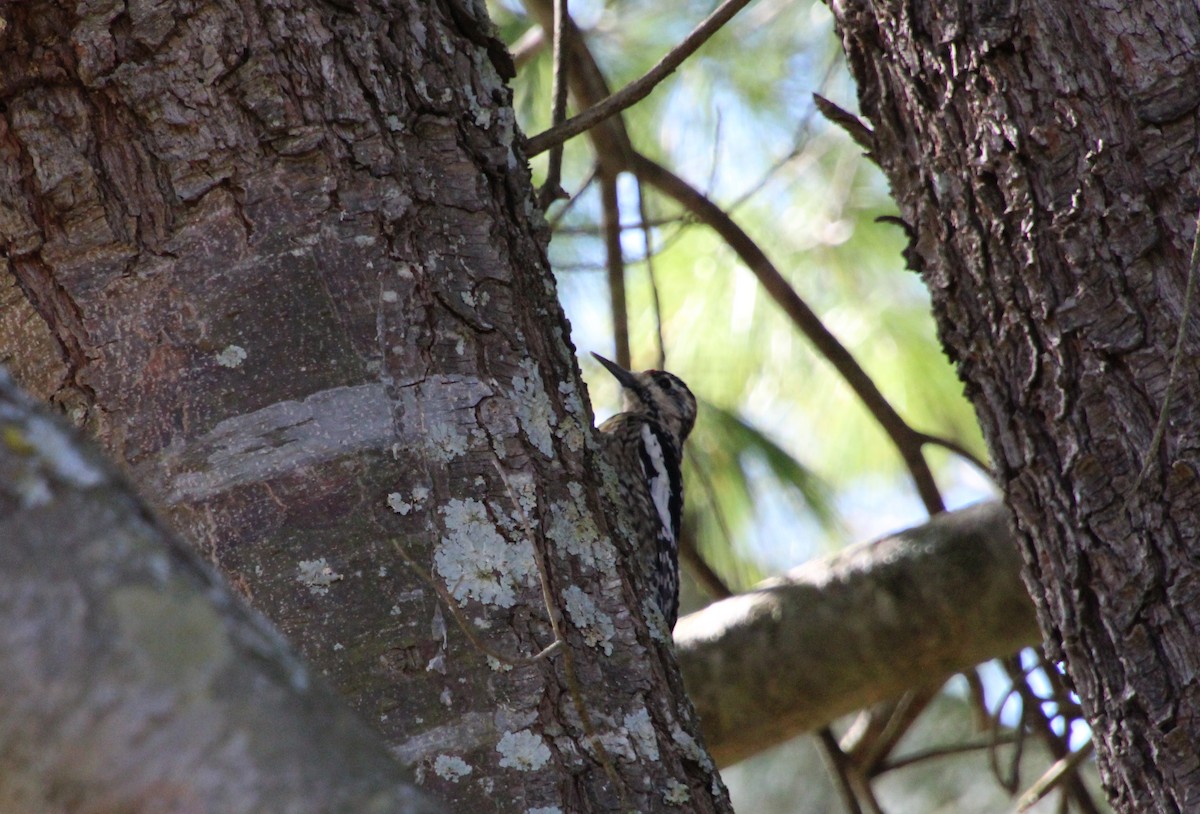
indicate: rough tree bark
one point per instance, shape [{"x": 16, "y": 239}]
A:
[
  {"x": 1045, "y": 156},
  {"x": 281, "y": 259}
]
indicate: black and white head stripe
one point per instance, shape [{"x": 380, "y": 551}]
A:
[{"x": 676, "y": 399}]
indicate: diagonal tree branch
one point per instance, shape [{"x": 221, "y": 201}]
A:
[
  {"x": 639, "y": 89},
  {"x": 907, "y": 440},
  {"x": 616, "y": 153},
  {"x": 588, "y": 85}
]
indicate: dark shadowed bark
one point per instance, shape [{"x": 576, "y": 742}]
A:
[
  {"x": 282, "y": 260},
  {"x": 1045, "y": 156}
]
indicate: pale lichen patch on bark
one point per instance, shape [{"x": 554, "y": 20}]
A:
[
  {"x": 401, "y": 505},
  {"x": 631, "y": 738},
  {"x": 476, "y": 561},
  {"x": 656, "y": 623},
  {"x": 676, "y": 793},
  {"x": 451, "y": 767},
  {"x": 525, "y": 751},
  {"x": 398, "y": 504},
  {"x": 533, "y": 408},
  {"x": 231, "y": 356},
  {"x": 690, "y": 748},
  {"x": 572, "y": 526},
  {"x": 437, "y": 415},
  {"x": 573, "y": 429},
  {"x": 595, "y": 625},
  {"x": 642, "y": 733},
  {"x": 498, "y": 666},
  {"x": 317, "y": 575},
  {"x": 446, "y": 440}
]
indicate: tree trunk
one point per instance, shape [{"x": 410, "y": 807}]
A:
[
  {"x": 1044, "y": 155},
  {"x": 282, "y": 259}
]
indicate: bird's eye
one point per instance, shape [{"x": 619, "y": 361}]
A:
[{"x": 664, "y": 380}]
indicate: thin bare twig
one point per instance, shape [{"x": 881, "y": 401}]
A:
[
  {"x": 877, "y": 743},
  {"x": 1010, "y": 781},
  {"x": 841, "y": 767},
  {"x": 980, "y": 716},
  {"x": 639, "y": 89},
  {"x": 588, "y": 86},
  {"x": 958, "y": 449},
  {"x": 614, "y": 263},
  {"x": 1063, "y": 769},
  {"x": 946, "y": 750},
  {"x": 866, "y": 794},
  {"x": 648, "y": 258},
  {"x": 571, "y": 201},
  {"x": 1035, "y": 719},
  {"x": 799, "y": 143},
  {"x": 552, "y": 190},
  {"x": 595, "y": 231},
  {"x": 716, "y": 155}
]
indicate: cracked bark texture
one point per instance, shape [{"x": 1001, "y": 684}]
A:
[
  {"x": 1045, "y": 156},
  {"x": 281, "y": 259}
]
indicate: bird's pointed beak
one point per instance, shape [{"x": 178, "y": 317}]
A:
[{"x": 619, "y": 373}]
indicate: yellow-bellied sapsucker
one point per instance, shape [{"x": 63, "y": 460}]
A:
[{"x": 645, "y": 445}]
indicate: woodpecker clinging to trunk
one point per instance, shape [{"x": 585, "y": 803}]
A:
[{"x": 645, "y": 446}]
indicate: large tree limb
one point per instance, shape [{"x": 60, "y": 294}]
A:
[
  {"x": 131, "y": 680},
  {"x": 855, "y": 629}
]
